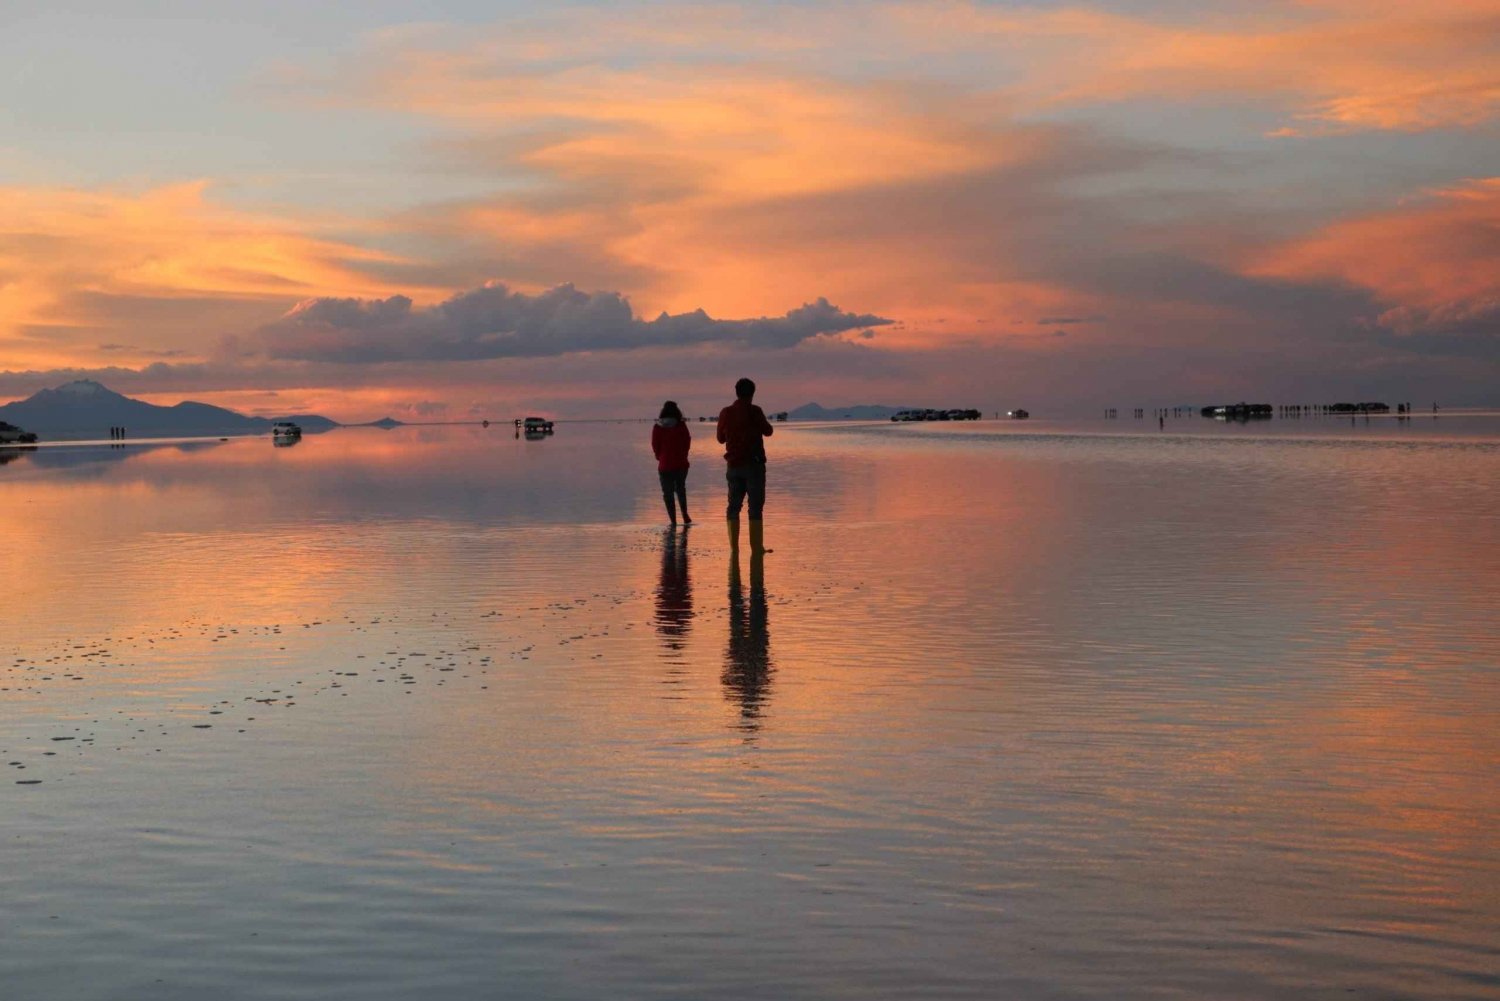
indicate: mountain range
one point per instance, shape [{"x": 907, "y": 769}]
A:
[
  {"x": 862, "y": 412},
  {"x": 91, "y": 408}
]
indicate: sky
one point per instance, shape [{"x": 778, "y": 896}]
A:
[{"x": 582, "y": 209}]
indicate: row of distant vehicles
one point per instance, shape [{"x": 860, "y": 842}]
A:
[{"x": 935, "y": 415}]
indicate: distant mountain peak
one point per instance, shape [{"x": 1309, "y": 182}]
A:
[
  {"x": 88, "y": 407},
  {"x": 858, "y": 411},
  {"x": 85, "y": 387}
]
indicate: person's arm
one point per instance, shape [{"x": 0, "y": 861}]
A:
[
  {"x": 656, "y": 440},
  {"x": 720, "y": 431},
  {"x": 765, "y": 425}
]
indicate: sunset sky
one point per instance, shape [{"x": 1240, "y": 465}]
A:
[{"x": 289, "y": 207}]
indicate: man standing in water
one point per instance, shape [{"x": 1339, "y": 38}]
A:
[{"x": 743, "y": 429}]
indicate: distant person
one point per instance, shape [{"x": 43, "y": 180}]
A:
[
  {"x": 742, "y": 431},
  {"x": 670, "y": 441}
]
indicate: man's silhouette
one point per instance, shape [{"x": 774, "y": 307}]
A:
[{"x": 743, "y": 429}]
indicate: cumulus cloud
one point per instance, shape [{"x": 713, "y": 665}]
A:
[{"x": 496, "y": 322}]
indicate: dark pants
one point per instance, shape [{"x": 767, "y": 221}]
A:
[
  {"x": 674, "y": 491},
  {"x": 746, "y": 481}
]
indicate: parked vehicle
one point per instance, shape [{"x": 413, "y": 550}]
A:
[
  {"x": 1239, "y": 411},
  {"x": 935, "y": 415},
  {"x": 286, "y": 429},
  {"x": 534, "y": 425}
]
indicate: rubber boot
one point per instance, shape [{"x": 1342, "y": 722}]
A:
[
  {"x": 734, "y": 535},
  {"x": 757, "y": 536}
]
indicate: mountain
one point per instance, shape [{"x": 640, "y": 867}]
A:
[
  {"x": 89, "y": 407},
  {"x": 862, "y": 412}
]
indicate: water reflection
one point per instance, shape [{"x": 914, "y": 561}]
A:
[
  {"x": 1084, "y": 730},
  {"x": 747, "y": 661},
  {"x": 674, "y": 593}
]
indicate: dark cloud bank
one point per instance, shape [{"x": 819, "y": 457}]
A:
[{"x": 495, "y": 322}]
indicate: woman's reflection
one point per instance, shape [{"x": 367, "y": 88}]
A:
[
  {"x": 747, "y": 662},
  {"x": 674, "y": 594}
]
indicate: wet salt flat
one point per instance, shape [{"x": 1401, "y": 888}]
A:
[{"x": 1035, "y": 711}]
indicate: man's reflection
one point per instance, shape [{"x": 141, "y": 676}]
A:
[
  {"x": 747, "y": 663},
  {"x": 674, "y": 594}
]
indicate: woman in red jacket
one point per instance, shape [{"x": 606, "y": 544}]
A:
[{"x": 670, "y": 440}]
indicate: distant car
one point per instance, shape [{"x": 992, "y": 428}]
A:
[
  {"x": 957, "y": 415},
  {"x": 906, "y": 415},
  {"x": 286, "y": 429}
]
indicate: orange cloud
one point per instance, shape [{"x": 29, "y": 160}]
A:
[
  {"x": 1434, "y": 263},
  {"x": 650, "y": 147},
  {"x": 955, "y": 166},
  {"x": 1331, "y": 67},
  {"x": 164, "y": 270},
  {"x": 1335, "y": 67}
]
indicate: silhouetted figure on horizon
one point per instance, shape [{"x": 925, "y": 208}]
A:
[
  {"x": 742, "y": 431},
  {"x": 670, "y": 442},
  {"x": 674, "y": 592},
  {"x": 747, "y": 661}
]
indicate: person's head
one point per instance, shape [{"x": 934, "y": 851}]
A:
[
  {"x": 670, "y": 409},
  {"x": 745, "y": 390}
]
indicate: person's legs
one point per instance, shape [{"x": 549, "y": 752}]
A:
[
  {"x": 736, "y": 478},
  {"x": 738, "y": 487},
  {"x": 680, "y": 483},
  {"x": 668, "y": 485},
  {"x": 755, "y": 486}
]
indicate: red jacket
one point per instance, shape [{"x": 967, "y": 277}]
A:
[
  {"x": 742, "y": 428},
  {"x": 671, "y": 446}
]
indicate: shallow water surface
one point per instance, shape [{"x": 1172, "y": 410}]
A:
[{"x": 1040, "y": 712}]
